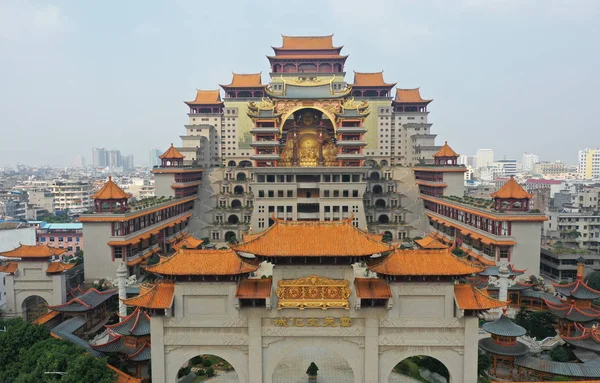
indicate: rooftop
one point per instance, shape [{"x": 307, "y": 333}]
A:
[
  {"x": 422, "y": 263},
  {"x": 410, "y": 96},
  {"x": 250, "y": 80},
  {"x": 430, "y": 242},
  {"x": 154, "y": 296},
  {"x": 446, "y": 151},
  {"x": 577, "y": 290},
  {"x": 504, "y": 326},
  {"x": 307, "y": 43},
  {"x": 202, "y": 262},
  {"x": 35, "y": 251},
  {"x": 511, "y": 190},
  {"x": 171, "y": 153},
  {"x": 89, "y": 300},
  {"x": 136, "y": 324},
  {"x": 468, "y": 297},
  {"x": 372, "y": 288},
  {"x": 254, "y": 288},
  {"x": 312, "y": 239},
  {"x": 373, "y": 79},
  {"x": 206, "y": 97},
  {"x": 110, "y": 191}
]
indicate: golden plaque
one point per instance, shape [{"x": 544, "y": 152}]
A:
[{"x": 313, "y": 292}]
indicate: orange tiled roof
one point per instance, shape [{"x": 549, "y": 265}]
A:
[
  {"x": 189, "y": 242},
  {"x": 172, "y": 153},
  {"x": 511, "y": 189},
  {"x": 468, "y": 297},
  {"x": 46, "y": 317},
  {"x": 203, "y": 262},
  {"x": 142, "y": 258},
  {"x": 9, "y": 267},
  {"x": 312, "y": 239},
  {"x": 36, "y": 251},
  {"x": 409, "y": 96},
  {"x": 206, "y": 97},
  {"x": 248, "y": 80},
  {"x": 158, "y": 296},
  {"x": 110, "y": 190},
  {"x": 254, "y": 288},
  {"x": 372, "y": 288},
  {"x": 123, "y": 377},
  {"x": 370, "y": 79},
  {"x": 432, "y": 184},
  {"x": 307, "y": 42},
  {"x": 430, "y": 242},
  {"x": 446, "y": 151},
  {"x": 423, "y": 262},
  {"x": 58, "y": 267}
]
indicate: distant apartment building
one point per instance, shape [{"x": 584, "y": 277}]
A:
[
  {"x": 127, "y": 162},
  {"x": 484, "y": 158},
  {"x": 153, "y": 159},
  {"x": 506, "y": 168},
  {"x": 549, "y": 169},
  {"x": 577, "y": 228},
  {"x": 99, "y": 159},
  {"x": 42, "y": 198},
  {"x": 588, "y": 166},
  {"x": 67, "y": 236},
  {"x": 71, "y": 195},
  {"x": 529, "y": 160},
  {"x": 467, "y": 160},
  {"x": 553, "y": 186},
  {"x": 78, "y": 161},
  {"x": 588, "y": 198}
]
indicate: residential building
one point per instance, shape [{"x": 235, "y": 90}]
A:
[
  {"x": 467, "y": 160},
  {"x": 99, "y": 158},
  {"x": 574, "y": 228},
  {"x": 553, "y": 186},
  {"x": 153, "y": 159},
  {"x": 549, "y": 169},
  {"x": 42, "y": 198},
  {"x": 78, "y": 161},
  {"x": 484, "y": 158},
  {"x": 127, "y": 162},
  {"x": 529, "y": 160},
  {"x": 588, "y": 165},
  {"x": 70, "y": 195},
  {"x": 505, "y": 168},
  {"x": 67, "y": 236},
  {"x": 588, "y": 198}
]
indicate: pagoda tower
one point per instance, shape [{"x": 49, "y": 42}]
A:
[
  {"x": 441, "y": 179},
  {"x": 511, "y": 197},
  {"x": 503, "y": 345},
  {"x": 577, "y": 305},
  {"x": 307, "y": 54},
  {"x": 173, "y": 179},
  {"x": 110, "y": 198}
]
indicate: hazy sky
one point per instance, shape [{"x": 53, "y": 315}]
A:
[{"x": 512, "y": 75}]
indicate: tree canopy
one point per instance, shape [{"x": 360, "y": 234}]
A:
[
  {"x": 593, "y": 280},
  {"x": 539, "y": 324},
  {"x": 27, "y": 351}
]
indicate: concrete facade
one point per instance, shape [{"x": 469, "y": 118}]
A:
[{"x": 421, "y": 320}]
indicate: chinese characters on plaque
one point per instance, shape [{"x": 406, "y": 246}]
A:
[{"x": 312, "y": 322}]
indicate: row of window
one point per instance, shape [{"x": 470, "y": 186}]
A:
[{"x": 60, "y": 239}]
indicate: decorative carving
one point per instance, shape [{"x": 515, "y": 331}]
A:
[{"x": 313, "y": 292}]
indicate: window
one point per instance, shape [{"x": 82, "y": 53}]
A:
[
  {"x": 61, "y": 239},
  {"x": 288, "y": 209},
  {"x": 271, "y": 209},
  {"x": 326, "y": 193},
  {"x": 345, "y": 193},
  {"x": 503, "y": 253},
  {"x": 216, "y": 235},
  {"x": 222, "y": 203},
  {"x": 69, "y": 239},
  {"x": 354, "y": 193},
  {"x": 43, "y": 239},
  {"x": 261, "y": 209},
  {"x": 118, "y": 252},
  {"x": 290, "y": 193},
  {"x": 51, "y": 239},
  {"x": 344, "y": 209},
  {"x": 280, "y": 209},
  {"x": 261, "y": 193},
  {"x": 336, "y": 193},
  {"x": 327, "y": 209},
  {"x": 271, "y": 193},
  {"x": 261, "y": 223}
]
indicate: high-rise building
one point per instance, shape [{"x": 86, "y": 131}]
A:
[
  {"x": 529, "y": 160},
  {"x": 71, "y": 195},
  {"x": 99, "y": 159},
  {"x": 588, "y": 165},
  {"x": 78, "y": 161},
  {"x": 467, "y": 160},
  {"x": 153, "y": 159},
  {"x": 506, "y": 168},
  {"x": 127, "y": 162},
  {"x": 113, "y": 158},
  {"x": 484, "y": 158}
]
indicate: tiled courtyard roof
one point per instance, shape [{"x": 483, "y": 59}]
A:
[
  {"x": 430, "y": 242},
  {"x": 89, "y": 300},
  {"x": 58, "y": 267},
  {"x": 568, "y": 310},
  {"x": 422, "y": 262},
  {"x": 33, "y": 251},
  {"x": 312, "y": 239},
  {"x": 158, "y": 296},
  {"x": 504, "y": 326},
  {"x": 577, "y": 290},
  {"x": 203, "y": 262},
  {"x": 468, "y": 297},
  {"x": 577, "y": 370},
  {"x": 136, "y": 324}
]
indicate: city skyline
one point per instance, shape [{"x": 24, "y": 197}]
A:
[{"x": 136, "y": 76}]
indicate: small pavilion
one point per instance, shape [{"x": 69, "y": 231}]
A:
[
  {"x": 172, "y": 158},
  {"x": 503, "y": 345},
  {"x": 446, "y": 156},
  {"x": 511, "y": 197},
  {"x": 110, "y": 198}
]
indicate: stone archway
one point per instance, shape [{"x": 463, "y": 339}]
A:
[
  {"x": 333, "y": 368},
  {"x": 346, "y": 353},
  {"x": 450, "y": 358},
  {"x": 175, "y": 359},
  {"x": 22, "y": 296},
  {"x": 33, "y": 307}
]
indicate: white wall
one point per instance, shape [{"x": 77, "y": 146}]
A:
[{"x": 10, "y": 239}]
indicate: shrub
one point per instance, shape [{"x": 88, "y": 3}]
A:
[
  {"x": 210, "y": 372},
  {"x": 312, "y": 369},
  {"x": 207, "y": 363}
]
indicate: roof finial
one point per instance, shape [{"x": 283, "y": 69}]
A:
[
  {"x": 110, "y": 178},
  {"x": 171, "y": 144},
  {"x": 504, "y": 310}
]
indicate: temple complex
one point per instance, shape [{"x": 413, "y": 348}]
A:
[{"x": 413, "y": 303}]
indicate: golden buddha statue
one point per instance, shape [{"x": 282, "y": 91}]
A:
[{"x": 307, "y": 144}]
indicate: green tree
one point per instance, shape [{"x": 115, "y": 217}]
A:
[
  {"x": 484, "y": 362},
  {"x": 539, "y": 324},
  {"x": 206, "y": 363},
  {"x": 593, "y": 280},
  {"x": 210, "y": 372},
  {"x": 560, "y": 354}
]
